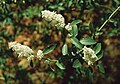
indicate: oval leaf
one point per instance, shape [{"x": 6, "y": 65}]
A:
[
  {"x": 76, "y": 64},
  {"x": 74, "y": 30},
  {"x": 87, "y": 41},
  {"x": 97, "y": 48},
  {"x": 76, "y": 42},
  {"x": 89, "y": 76},
  {"x": 100, "y": 55},
  {"x": 49, "y": 49},
  {"x": 91, "y": 28},
  {"x": 76, "y": 22},
  {"x": 101, "y": 68},
  {"x": 60, "y": 65},
  {"x": 65, "y": 49}
]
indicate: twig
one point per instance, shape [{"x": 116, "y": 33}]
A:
[{"x": 109, "y": 18}]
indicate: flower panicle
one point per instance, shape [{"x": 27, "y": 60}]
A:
[
  {"x": 25, "y": 51},
  {"x": 89, "y": 56},
  {"x": 54, "y": 18}
]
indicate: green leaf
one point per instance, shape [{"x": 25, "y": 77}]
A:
[
  {"x": 60, "y": 65},
  {"x": 98, "y": 33},
  {"x": 89, "y": 76},
  {"x": 74, "y": 30},
  {"x": 49, "y": 49},
  {"x": 61, "y": 8},
  {"x": 65, "y": 49},
  {"x": 70, "y": 3},
  {"x": 91, "y": 28},
  {"x": 100, "y": 54},
  {"x": 76, "y": 42},
  {"x": 9, "y": 20},
  {"x": 52, "y": 6},
  {"x": 117, "y": 2},
  {"x": 97, "y": 48},
  {"x": 75, "y": 22},
  {"x": 101, "y": 68},
  {"x": 87, "y": 41},
  {"x": 77, "y": 64}
]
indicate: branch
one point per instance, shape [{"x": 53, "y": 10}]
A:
[{"x": 109, "y": 18}]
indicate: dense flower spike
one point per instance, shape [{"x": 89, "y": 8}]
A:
[
  {"x": 55, "y": 19},
  {"x": 89, "y": 55},
  {"x": 68, "y": 27},
  {"x": 40, "y": 54},
  {"x": 21, "y": 50}
]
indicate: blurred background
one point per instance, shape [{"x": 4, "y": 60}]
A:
[{"x": 20, "y": 21}]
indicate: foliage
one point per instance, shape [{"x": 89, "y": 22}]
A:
[{"x": 21, "y": 21}]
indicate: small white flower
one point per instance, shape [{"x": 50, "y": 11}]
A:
[
  {"x": 55, "y": 19},
  {"x": 23, "y": 1},
  {"x": 30, "y": 57},
  {"x": 3, "y": 2},
  {"x": 89, "y": 55},
  {"x": 15, "y": 1},
  {"x": 40, "y": 54},
  {"x": 68, "y": 27},
  {"x": 21, "y": 50}
]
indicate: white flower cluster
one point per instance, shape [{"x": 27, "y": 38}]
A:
[
  {"x": 21, "y": 50},
  {"x": 25, "y": 51},
  {"x": 68, "y": 27},
  {"x": 89, "y": 55},
  {"x": 55, "y": 19},
  {"x": 40, "y": 54}
]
